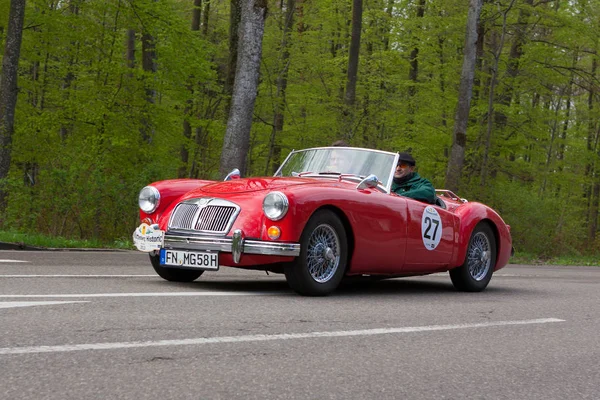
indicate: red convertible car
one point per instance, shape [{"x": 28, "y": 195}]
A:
[{"x": 327, "y": 213}]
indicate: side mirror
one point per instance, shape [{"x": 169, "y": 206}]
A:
[
  {"x": 370, "y": 181},
  {"x": 235, "y": 174}
]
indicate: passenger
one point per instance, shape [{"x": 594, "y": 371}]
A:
[
  {"x": 340, "y": 143},
  {"x": 338, "y": 161},
  {"x": 409, "y": 183}
]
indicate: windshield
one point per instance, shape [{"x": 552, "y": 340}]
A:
[{"x": 338, "y": 161}]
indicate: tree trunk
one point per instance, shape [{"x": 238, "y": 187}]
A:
[
  {"x": 413, "y": 73},
  {"x": 196, "y": 15},
  {"x": 188, "y": 111},
  {"x": 387, "y": 29},
  {"x": 149, "y": 67},
  {"x": 593, "y": 228},
  {"x": 234, "y": 23},
  {"x": 493, "y": 83},
  {"x": 69, "y": 77},
  {"x": 278, "y": 117},
  {"x": 350, "y": 96},
  {"x": 459, "y": 136},
  {"x": 237, "y": 134},
  {"x": 8, "y": 88},
  {"x": 205, "y": 15},
  {"x": 592, "y": 167},
  {"x": 550, "y": 151}
]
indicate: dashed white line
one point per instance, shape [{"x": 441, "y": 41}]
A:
[
  {"x": 264, "y": 338},
  {"x": 13, "y": 261},
  {"x": 12, "y": 304},
  {"x": 157, "y": 294}
]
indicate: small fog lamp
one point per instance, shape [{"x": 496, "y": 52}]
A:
[{"x": 274, "y": 232}]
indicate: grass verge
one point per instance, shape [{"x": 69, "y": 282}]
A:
[
  {"x": 36, "y": 240},
  {"x": 558, "y": 260}
]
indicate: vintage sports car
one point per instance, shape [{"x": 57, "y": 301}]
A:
[{"x": 327, "y": 213}]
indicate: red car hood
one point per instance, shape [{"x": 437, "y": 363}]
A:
[{"x": 258, "y": 184}]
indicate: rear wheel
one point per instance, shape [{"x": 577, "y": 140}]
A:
[
  {"x": 321, "y": 265},
  {"x": 174, "y": 274},
  {"x": 476, "y": 272}
]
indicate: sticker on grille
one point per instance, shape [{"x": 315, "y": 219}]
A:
[{"x": 214, "y": 218}]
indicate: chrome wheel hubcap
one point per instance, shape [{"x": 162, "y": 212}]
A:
[
  {"x": 323, "y": 253},
  {"x": 479, "y": 256}
]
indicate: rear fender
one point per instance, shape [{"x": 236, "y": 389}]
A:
[{"x": 471, "y": 214}]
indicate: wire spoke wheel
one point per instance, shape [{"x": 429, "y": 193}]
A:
[
  {"x": 479, "y": 256},
  {"x": 323, "y": 253},
  {"x": 323, "y": 259},
  {"x": 476, "y": 271}
]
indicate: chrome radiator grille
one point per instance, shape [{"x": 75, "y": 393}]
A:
[
  {"x": 214, "y": 218},
  {"x": 183, "y": 216},
  {"x": 204, "y": 215}
]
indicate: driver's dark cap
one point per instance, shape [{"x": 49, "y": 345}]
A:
[{"x": 406, "y": 158}]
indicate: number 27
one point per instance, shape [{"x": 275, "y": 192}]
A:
[{"x": 429, "y": 223}]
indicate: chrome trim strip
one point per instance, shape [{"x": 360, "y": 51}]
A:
[
  {"x": 226, "y": 244},
  {"x": 388, "y": 186}
]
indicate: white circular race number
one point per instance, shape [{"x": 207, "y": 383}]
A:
[{"x": 431, "y": 228}]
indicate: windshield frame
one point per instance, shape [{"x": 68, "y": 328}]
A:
[{"x": 386, "y": 185}]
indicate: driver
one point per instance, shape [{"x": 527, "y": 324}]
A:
[{"x": 409, "y": 183}]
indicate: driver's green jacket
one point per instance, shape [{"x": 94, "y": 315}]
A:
[{"x": 416, "y": 188}]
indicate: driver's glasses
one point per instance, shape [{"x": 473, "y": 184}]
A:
[{"x": 403, "y": 164}]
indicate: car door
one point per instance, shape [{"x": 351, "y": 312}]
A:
[{"x": 430, "y": 237}]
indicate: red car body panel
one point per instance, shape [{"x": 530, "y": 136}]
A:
[
  {"x": 385, "y": 231},
  {"x": 171, "y": 190}
]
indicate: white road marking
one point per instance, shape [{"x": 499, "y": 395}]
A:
[
  {"x": 13, "y": 261},
  {"x": 158, "y": 294},
  {"x": 263, "y": 338},
  {"x": 77, "y": 276},
  {"x": 11, "y": 304}
]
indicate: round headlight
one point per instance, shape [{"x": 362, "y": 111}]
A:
[
  {"x": 275, "y": 205},
  {"x": 149, "y": 199}
]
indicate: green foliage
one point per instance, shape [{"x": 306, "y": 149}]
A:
[{"x": 80, "y": 158}]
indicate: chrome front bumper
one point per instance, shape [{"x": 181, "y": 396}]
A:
[{"x": 236, "y": 245}]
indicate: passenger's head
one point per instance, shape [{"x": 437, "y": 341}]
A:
[
  {"x": 340, "y": 143},
  {"x": 406, "y": 165}
]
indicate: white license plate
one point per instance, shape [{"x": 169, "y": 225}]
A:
[{"x": 189, "y": 259}]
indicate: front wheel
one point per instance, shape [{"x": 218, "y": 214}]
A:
[
  {"x": 476, "y": 272},
  {"x": 321, "y": 265},
  {"x": 174, "y": 274}
]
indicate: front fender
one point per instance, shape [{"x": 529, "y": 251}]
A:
[{"x": 170, "y": 190}]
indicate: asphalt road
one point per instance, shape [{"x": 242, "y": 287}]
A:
[{"x": 86, "y": 325}]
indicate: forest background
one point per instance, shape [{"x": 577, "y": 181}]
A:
[{"x": 115, "y": 94}]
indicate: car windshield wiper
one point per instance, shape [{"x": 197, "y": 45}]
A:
[{"x": 298, "y": 174}]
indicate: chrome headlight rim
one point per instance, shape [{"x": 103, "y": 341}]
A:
[
  {"x": 151, "y": 196},
  {"x": 281, "y": 209}
]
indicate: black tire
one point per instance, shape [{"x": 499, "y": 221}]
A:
[
  {"x": 174, "y": 274},
  {"x": 321, "y": 265},
  {"x": 476, "y": 272}
]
